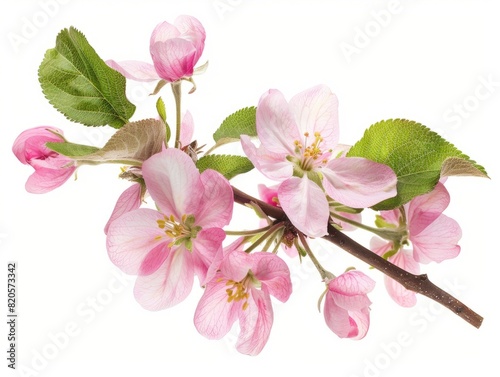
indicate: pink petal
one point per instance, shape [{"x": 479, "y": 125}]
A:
[
  {"x": 268, "y": 194},
  {"x": 129, "y": 200},
  {"x": 45, "y": 180},
  {"x": 358, "y": 182},
  {"x": 351, "y": 289},
  {"x": 361, "y": 319},
  {"x": 438, "y": 241},
  {"x": 132, "y": 236},
  {"x": 316, "y": 110},
  {"x": 214, "y": 316},
  {"x": 163, "y": 32},
  {"x": 397, "y": 292},
  {"x": 216, "y": 205},
  {"x": 174, "y": 59},
  {"x": 154, "y": 259},
  {"x": 272, "y": 165},
  {"x": 424, "y": 209},
  {"x": 336, "y": 318},
  {"x": 192, "y": 29},
  {"x": 170, "y": 284},
  {"x": 206, "y": 246},
  {"x": 236, "y": 264},
  {"x": 187, "y": 129},
  {"x": 255, "y": 323},
  {"x": 305, "y": 205},
  {"x": 173, "y": 181},
  {"x": 135, "y": 70},
  {"x": 276, "y": 124},
  {"x": 273, "y": 273}
]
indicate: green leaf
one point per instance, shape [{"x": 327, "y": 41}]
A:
[
  {"x": 229, "y": 166},
  {"x": 79, "y": 84},
  {"x": 418, "y": 156},
  {"x": 242, "y": 122},
  {"x": 72, "y": 149},
  {"x": 132, "y": 144},
  {"x": 162, "y": 112}
]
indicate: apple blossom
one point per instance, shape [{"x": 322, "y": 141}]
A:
[
  {"x": 297, "y": 139},
  {"x": 347, "y": 306},
  {"x": 433, "y": 237},
  {"x": 51, "y": 168},
  {"x": 241, "y": 290},
  {"x": 168, "y": 246},
  {"x": 175, "y": 49}
]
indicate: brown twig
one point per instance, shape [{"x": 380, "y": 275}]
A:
[{"x": 416, "y": 283}]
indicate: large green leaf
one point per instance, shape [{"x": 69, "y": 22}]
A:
[
  {"x": 418, "y": 156},
  {"x": 79, "y": 84},
  {"x": 229, "y": 166}
]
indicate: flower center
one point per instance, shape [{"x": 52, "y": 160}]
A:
[
  {"x": 238, "y": 290},
  {"x": 311, "y": 156},
  {"x": 180, "y": 232}
]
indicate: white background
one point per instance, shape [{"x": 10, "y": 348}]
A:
[{"x": 420, "y": 60}]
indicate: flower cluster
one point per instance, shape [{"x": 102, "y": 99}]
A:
[{"x": 169, "y": 226}]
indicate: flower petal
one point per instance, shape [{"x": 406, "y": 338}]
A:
[
  {"x": 45, "y": 180},
  {"x": 129, "y": 200},
  {"x": 132, "y": 236},
  {"x": 255, "y": 323},
  {"x": 438, "y": 241},
  {"x": 316, "y": 110},
  {"x": 214, "y": 316},
  {"x": 170, "y": 284},
  {"x": 305, "y": 205},
  {"x": 273, "y": 273},
  {"x": 397, "y": 292},
  {"x": 424, "y": 209},
  {"x": 187, "y": 129},
  {"x": 276, "y": 124},
  {"x": 336, "y": 318},
  {"x": 135, "y": 70},
  {"x": 272, "y": 165},
  {"x": 173, "y": 181},
  {"x": 216, "y": 205},
  {"x": 174, "y": 59},
  {"x": 206, "y": 246},
  {"x": 358, "y": 182}
]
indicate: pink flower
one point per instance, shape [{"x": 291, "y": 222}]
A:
[
  {"x": 51, "y": 168},
  {"x": 166, "y": 248},
  {"x": 240, "y": 290},
  {"x": 175, "y": 50},
  {"x": 346, "y": 310},
  {"x": 297, "y": 139},
  {"x": 433, "y": 237}
]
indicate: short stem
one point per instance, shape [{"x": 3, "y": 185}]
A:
[
  {"x": 261, "y": 239},
  {"x": 322, "y": 271},
  {"x": 176, "y": 89},
  {"x": 387, "y": 234},
  {"x": 247, "y": 232}
]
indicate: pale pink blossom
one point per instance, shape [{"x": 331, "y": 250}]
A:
[
  {"x": 297, "y": 140},
  {"x": 347, "y": 306},
  {"x": 167, "y": 247},
  {"x": 241, "y": 291},
  {"x": 175, "y": 49},
  {"x": 433, "y": 237},
  {"x": 51, "y": 168}
]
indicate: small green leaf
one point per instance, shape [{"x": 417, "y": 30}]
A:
[
  {"x": 72, "y": 149},
  {"x": 418, "y": 156},
  {"x": 79, "y": 84},
  {"x": 242, "y": 122},
  {"x": 229, "y": 166},
  {"x": 162, "y": 112}
]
